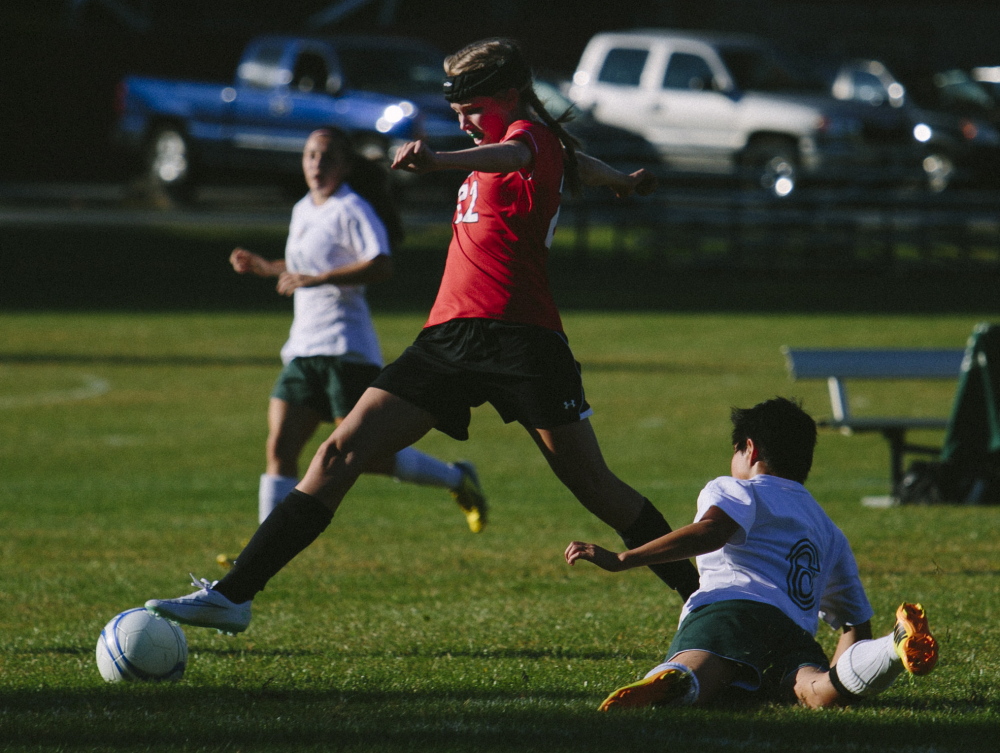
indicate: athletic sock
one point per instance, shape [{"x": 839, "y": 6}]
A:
[
  {"x": 681, "y": 576},
  {"x": 867, "y": 667},
  {"x": 291, "y": 527},
  {"x": 417, "y": 467},
  {"x": 272, "y": 490}
]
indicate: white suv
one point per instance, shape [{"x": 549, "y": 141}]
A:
[{"x": 723, "y": 104}]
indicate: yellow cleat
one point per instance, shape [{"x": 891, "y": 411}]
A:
[
  {"x": 469, "y": 496},
  {"x": 655, "y": 690},
  {"x": 914, "y": 643}
]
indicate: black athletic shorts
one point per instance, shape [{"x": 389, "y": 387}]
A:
[{"x": 527, "y": 373}]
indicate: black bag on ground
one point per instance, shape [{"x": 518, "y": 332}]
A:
[{"x": 968, "y": 469}]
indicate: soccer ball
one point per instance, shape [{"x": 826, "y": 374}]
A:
[{"x": 137, "y": 645}]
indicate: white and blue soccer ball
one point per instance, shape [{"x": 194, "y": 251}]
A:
[{"x": 139, "y": 646}]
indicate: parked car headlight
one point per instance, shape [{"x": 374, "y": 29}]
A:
[{"x": 393, "y": 114}]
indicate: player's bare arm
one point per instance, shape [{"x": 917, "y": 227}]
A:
[
  {"x": 507, "y": 157},
  {"x": 594, "y": 172},
  {"x": 361, "y": 273},
  {"x": 708, "y": 534},
  {"x": 247, "y": 262}
]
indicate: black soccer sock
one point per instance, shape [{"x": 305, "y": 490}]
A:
[
  {"x": 292, "y": 526},
  {"x": 681, "y": 576}
]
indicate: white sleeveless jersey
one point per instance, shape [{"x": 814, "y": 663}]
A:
[
  {"x": 333, "y": 320},
  {"x": 787, "y": 553}
]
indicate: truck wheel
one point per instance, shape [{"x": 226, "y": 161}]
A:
[
  {"x": 169, "y": 165},
  {"x": 939, "y": 169},
  {"x": 773, "y": 167}
]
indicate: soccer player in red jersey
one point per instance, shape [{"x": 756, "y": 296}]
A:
[{"x": 493, "y": 335}]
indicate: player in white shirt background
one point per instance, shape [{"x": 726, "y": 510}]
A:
[{"x": 337, "y": 244}]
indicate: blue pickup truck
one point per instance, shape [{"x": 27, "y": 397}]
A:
[{"x": 383, "y": 90}]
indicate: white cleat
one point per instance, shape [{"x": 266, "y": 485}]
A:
[{"x": 204, "y": 608}]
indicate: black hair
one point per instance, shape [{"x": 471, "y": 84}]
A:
[
  {"x": 370, "y": 181},
  {"x": 783, "y": 433}
]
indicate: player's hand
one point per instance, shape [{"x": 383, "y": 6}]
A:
[
  {"x": 415, "y": 157},
  {"x": 641, "y": 182},
  {"x": 244, "y": 261},
  {"x": 289, "y": 282},
  {"x": 603, "y": 558}
]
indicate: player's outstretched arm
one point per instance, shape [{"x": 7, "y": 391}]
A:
[
  {"x": 603, "y": 558},
  {"x": 706, "y": 535},
  {"x": 594, "y": 172},
  {"x": 506, "y": 157}
]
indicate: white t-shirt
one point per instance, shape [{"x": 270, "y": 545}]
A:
[
  {"x": 333, "y": 320},
  {"x": 787, "y": 553}
]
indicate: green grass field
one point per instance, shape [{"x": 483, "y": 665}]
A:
[{"x": 132, "y": 445}]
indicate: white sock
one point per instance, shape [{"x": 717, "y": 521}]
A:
[
  {"x": 272, "y": 490},
  {"x": 869, "y": 667},
  {"x": 692, "y": 694},
  {"x": 419, "y": 468}
]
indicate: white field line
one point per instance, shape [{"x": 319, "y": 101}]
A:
[{"x": 93, "y": 386}]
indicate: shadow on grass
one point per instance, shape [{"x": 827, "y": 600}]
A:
[
  {"x": 486, "y": 654},
  {"x": 123, "y": 717}
]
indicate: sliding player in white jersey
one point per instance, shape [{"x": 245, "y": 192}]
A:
[{"x": 771, "y": 563}]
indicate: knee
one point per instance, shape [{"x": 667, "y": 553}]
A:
[{"x": 333, "y": 455}]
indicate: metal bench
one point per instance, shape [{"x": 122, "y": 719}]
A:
[{"x": 835, "y": 366}]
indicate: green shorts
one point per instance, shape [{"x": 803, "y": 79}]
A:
[
  {"x": 761, "y": 638},
  {"x": 329, "y": 385}
]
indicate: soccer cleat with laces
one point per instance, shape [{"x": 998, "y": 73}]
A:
[
  {"x": 914, "y": 643},
  {"x": 470, "y": 497},
  {"x": 657, "y": 689},
  {"x": 204, "y": 608}
]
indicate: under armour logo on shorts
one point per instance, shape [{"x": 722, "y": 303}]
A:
[{"x": 569, "y": 404}]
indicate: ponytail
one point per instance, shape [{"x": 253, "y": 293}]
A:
[{"x": 570, "y": 143}]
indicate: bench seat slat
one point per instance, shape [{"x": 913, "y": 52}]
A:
[{"x": 927, "y": 363}]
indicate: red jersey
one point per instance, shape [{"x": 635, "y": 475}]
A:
[{"x": 503, "y": 226}]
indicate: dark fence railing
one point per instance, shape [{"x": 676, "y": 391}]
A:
[{"x": 815, "y": 229}]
